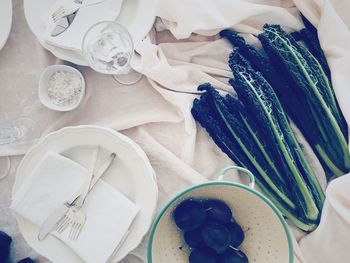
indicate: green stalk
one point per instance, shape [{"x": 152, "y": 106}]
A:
[
  {"x": 314, "y": 184},
  {"x": 335, "y": 170},
  {"x": 331, "y": 147},
  {"x": 311, "y": 226},
  {"x": 328, "y": 89},
  {"x": 288, "y": 214},
  {"x": 328, "y": 146},
  {"x": 310, "y": 211},
  {"x": 254, "y": 162},
  {"x": 309, "y": 175},
  {"x": 324, "y": 106},
  {"x": 261, "y": 147}
]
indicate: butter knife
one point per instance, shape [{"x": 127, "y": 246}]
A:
[{"x": 50, "y": 222}]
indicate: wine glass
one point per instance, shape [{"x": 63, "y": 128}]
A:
[
  {"x": 20, "y": 130},
  {"x": 108, "y": 48},
  {"x": 4, "y": 166}
]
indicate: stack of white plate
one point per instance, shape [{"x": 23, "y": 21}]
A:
[
  {"x": 131, "y": 174},
  {"x": 5, "y": 20},
  {"x": 136, "y": 15}
]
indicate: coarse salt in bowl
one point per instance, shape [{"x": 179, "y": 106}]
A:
[{"x": 61, "y": 88}]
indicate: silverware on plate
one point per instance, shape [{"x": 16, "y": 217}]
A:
[
  {"x": 63, "y": 24},
  {"x": 63, "y": 16},
  {"x": 74, "y": 213},
  {"x": 67, "y": 7},
  {"x": 51, "y": 222}
]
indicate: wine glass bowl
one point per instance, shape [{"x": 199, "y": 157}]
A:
[{"x": 108, "y": 48}]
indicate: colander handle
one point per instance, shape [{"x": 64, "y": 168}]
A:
[{"x": 246, "y": 172}]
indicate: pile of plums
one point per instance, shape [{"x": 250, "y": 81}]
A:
[
  {"x": 5, "y": 244},
  {"x": 210, "y": 231}
]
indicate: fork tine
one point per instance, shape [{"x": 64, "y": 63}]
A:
[
  {"x": 78, "y": 231},
  {"x": 59, "y": 229},
  {"x": 64, "y": 225},
  {"x": 67, "y": 223},
  {"x": 58, "y": 11},
  {"x": 73, "y": 230},
  {"x": 60, "y": 222},
  {"x": 59, "y": 16}
]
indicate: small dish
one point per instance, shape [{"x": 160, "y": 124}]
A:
[
  {"x": 5, "y": 21},
  {"x": 43, "y": 88}
]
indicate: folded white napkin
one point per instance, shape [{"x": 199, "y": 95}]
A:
[
  {"x": 57, "y": 179},
  {"x": 86, "y": 17}
]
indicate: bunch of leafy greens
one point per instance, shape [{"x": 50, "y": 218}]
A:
[
  {"x": 254, "y": 130},
  {"x": 301, "y": 79},
  {"x": 258, "y": 139}
]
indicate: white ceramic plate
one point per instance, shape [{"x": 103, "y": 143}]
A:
[
  {"x": 131, "y": 174},
  {"x": 136, "y": 15},
  {"x": 5, "y": 20}
]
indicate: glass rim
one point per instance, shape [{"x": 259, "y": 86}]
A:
[{"x": 109, "y": 22}]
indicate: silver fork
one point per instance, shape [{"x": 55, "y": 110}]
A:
[
  {"x": 69, "y": 215},
  {"x": 66, "y": 219},
  {"x": 79, "y": 217},
  {"x": 78, "y": 222}
]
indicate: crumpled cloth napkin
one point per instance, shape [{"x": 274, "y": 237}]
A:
[
  {"x": 193, "y": 55},
  {"x": 85, "y": 18},
  {"x": 57, "y": 179}
]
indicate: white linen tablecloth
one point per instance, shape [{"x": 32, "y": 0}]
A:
[{"x": 156, "y": 111}]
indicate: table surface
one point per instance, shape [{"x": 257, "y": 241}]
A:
[
  {"x": 156, "y": 118},
  {"x": 148, "y": 112},
  {"x": 19, "y": 249},
  {"x": 21, "y": 61}
]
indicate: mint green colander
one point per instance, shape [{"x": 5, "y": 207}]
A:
[{"x": 267, "y": 237}]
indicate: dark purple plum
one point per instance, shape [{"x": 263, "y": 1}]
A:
[
  {"x": 189, "y": 215},
  {"x": 5, "y": 242},
  {"x": 194, "y": 238},
  {"x": 236, "y": 234},
  {"x": 217, "y": 210},
  {"x": 203, "y": 255},
  {"x": 5, "y": 239},
  {"x": 216, "y": 236},
  {"x": 233, "y": 256}
]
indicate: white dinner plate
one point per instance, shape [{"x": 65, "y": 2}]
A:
[
  {"x": 5, "y": 21},
  {"x": 131, "y": 174},
  {"x": 136, "y": 15}
]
